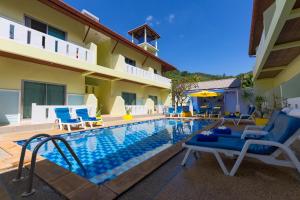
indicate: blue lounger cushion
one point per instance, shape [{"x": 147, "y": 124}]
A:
[
  {"x": 71, "y": 121},
  {"x": 64, "y": 115},
  {"x": 83, "y": 113},
  {"x": 225, "y": 131},
  {"x": 231, "y": 143},
  {"x": 207, "y": 138},
  {"x": 284, "y": 127}
]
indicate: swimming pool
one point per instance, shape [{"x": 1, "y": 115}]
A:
[{"x": 108, "y": 152}]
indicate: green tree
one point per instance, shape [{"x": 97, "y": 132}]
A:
[
  {"x": 180, "y": 84},
  {"x": 246, "y": 79}
]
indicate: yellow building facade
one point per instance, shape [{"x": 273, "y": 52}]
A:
[{"x": 52, "y": 54}]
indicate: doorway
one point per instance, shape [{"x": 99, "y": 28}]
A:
[{"x": 41, "y": 94}]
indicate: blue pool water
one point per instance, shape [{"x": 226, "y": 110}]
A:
[{"x": 108, "y": 152}]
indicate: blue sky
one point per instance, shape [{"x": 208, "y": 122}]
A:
[{"x": 196, "y": 35}]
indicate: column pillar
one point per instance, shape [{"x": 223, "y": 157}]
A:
[
  {"x": 237, "y": 107},
  {"x": 145, "y": 35}
]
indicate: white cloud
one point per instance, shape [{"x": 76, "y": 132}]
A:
[
  {"x": 171, "y": 18},
  {"x": 149, "y": 20}
]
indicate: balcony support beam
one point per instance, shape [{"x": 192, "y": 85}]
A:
[
  {"x": 274, "y": 69},
  {"x": 294, "y": 14},
  {"x": 86, "y": 34},
  {"x": 114, "y": 48},
  {"x": 145, "y": 60},
  {"x": 286, "y": 45},
  {"x": 145, "y": 86},
  {"x": 87, "y": 73}
]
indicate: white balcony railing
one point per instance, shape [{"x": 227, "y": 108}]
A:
[
  {"x": 160, "y": 109},
  {"x": 144, "y": 110},
  {"x": 27, "y": 36},
  {"x": 46, "y": 113},
  {"x": 137, "y": 109},
  {"x": 147, "y": 75}
]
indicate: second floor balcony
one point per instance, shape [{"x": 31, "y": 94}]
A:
[
  {"x": 147, "y": 75},
  {"x": 19, "y": 33}
]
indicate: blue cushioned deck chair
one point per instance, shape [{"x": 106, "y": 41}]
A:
[
  {"x": 64, "y": 118},
  {"x": 237, "y": 119},
  {"x": 215, "y": 112},
  {"x": 262, "y": 130},
  {"x": 84, "y": 116},
  {"x": 201, "y": 112},
  {"x": 179, "y": 111},
  {"x": 171, "y": 112},
  {"x": 266, "y": 149}
]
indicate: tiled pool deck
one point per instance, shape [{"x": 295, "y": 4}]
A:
[
  {"x": 200, "y": 179},
  {"x": 73, "y": 186}
]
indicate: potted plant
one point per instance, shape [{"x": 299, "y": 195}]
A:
[
  {"x": 98, "y": 115},
  {"x": 128, "y": 115},
  {"x": 260, "y": 110}
]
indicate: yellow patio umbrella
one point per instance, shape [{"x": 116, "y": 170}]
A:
[{"x": 205, "y": 93}]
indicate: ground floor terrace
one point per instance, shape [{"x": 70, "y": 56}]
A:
[
  {"x": 160, "y": 178},
  {"x": 23, "y": 83}
]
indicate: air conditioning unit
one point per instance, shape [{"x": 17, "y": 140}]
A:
[{"x": 90, "y": 15}]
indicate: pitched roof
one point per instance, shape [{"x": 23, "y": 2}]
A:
[
  {"x": 140, "y": 29},
  {"x": 68, "y": 10},
  {"x": 218, "y": 84}
]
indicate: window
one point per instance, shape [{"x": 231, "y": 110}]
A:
[
  {"x": 44, "y": 28},
  {"x": 130, "y": 61},
  {"x": 154, "y": 99},
  {"x": 129, "y": 98},
  {"x": 155, "y": 71},
  {"x": 41, "y": 94}
]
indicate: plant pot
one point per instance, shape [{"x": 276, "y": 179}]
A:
[
  {"x": 186, "y": 114},
  {"x": 127, "y": 117},
  {"x": 261, "y": 121},
  {"x": 100, "y": 121}
]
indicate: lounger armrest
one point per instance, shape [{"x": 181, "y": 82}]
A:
[
  {"x": 244, "y": 115},
  {"x": 253, "y": 132},
  {"x": 251, "y": 127},
  {"x": 263, "y": 142}
]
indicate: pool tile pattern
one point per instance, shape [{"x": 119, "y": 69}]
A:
[{"x": 108, "y": 152}]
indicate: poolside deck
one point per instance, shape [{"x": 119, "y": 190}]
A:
[{"x": 200, "y": 179}]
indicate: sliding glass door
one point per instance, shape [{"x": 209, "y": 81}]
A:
[{"x": 41, "y": 94}]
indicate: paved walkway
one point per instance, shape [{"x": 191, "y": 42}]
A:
[{"x": 203, "y": 179}]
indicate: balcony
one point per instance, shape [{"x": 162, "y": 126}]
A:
[
  {"x": 21, "y": 34},
  {"x": 135, "y": 71}
]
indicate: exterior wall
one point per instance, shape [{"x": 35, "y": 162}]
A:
[
  {"x": 12, "y": 72},
  {"x": 117, "y": 106},
  {"x": 116, "y": 60},
  {"x": 17, "y": 9},
  {"x": 109, "y": 94},
  {"x": 284, "y": 86}
]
